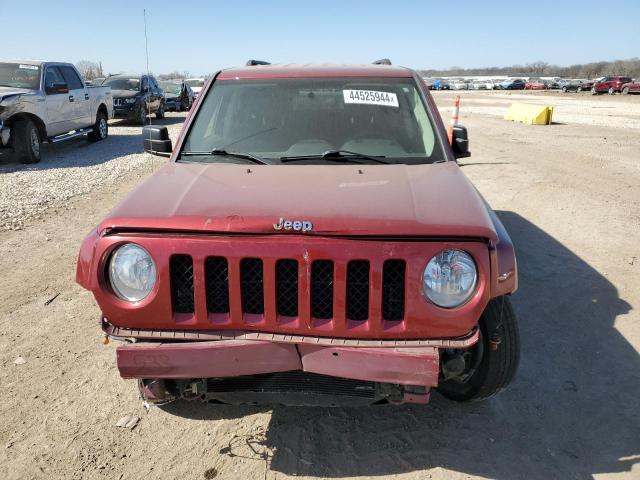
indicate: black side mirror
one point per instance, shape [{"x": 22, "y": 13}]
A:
[
  {"x": 460, "y": 144},
  {"x": 156, "y": 141},
  {"x": 56, "y": 88}
]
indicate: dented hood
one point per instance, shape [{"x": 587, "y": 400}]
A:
[{"x": 386, "y": 200}]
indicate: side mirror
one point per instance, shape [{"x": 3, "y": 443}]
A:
[
  {"x": 460, "y": 144},
  {"x": 56, "y": 88},
  {"x": 156, "y": 141}
]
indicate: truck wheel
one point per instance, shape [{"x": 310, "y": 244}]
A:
[
  {"x": 490, "y": 365},
  {"x": 611, "y": 91},
  {"x": 160, "y": 112},
  {"x": 100, "y": 128},
  {"x": 26, "y": 141},
  {"x": 625, "y": 91}
]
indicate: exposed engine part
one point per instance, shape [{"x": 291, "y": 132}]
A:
[
  {"x": 290, "y": 388},
  {"x": 454, "y": 366},
  {"x": 156, "y": 391}
]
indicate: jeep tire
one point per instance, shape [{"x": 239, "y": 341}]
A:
[
  {"x": 160, "y": 112},
  {"x": 495, "y": 356},
  {"x": 26, "y": 141},
  {"x": 100, "y": 128},
  {"x": 142, "y": 115}
]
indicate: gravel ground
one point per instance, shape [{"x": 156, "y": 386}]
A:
[
  {"x": 569, "y": 195},
  {"x": 72, "y": 168}
]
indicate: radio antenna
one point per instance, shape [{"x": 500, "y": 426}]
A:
[{"x": 146, "y": 48}]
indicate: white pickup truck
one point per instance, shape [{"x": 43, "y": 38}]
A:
[{"x": 48, "y": 101}]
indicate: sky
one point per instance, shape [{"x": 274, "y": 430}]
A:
[{"x": 203, "y": 36}]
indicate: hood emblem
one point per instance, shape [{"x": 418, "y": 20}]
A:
[{"x": 297, "y": 225}]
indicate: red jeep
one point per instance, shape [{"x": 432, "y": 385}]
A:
[
  {"x": 312, "y": 240},
  {"x": 611, "y": 84}
]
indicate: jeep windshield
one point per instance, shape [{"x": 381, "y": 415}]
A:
[
  {"x": 122, "y": 83},
  {"x": 20, "y": 75},
  {"x": 279, "y": 120}
]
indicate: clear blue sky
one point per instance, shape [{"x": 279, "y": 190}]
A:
[{"x": 201, "y": 36}]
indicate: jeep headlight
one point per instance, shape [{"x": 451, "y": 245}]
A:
[
  {"x": 450, "y": 278},
  {"x": 132, "y": 272},
  {"x": 130, "y": 100}
]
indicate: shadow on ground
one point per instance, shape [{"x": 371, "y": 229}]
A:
[
  {"x": 79, "y": 152},
  {"x": 571, "y": 413}
]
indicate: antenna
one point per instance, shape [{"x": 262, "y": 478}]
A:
[{"x": 146, "y": 48}]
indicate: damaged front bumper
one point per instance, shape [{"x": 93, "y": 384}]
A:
[{"x": 398, "y": 371}]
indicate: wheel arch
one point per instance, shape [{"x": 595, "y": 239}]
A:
[
  {"x": 102, "y": 108},
  {"x": 39, "y": 123}
]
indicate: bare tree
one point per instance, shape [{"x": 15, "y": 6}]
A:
[
  {"x": 175, "y": 75},
  {"x": 90, "y": 70},
  {"x": 630, "y": 67}
]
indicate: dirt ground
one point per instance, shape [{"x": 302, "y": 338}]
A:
[{"x": 568, "y": 193}]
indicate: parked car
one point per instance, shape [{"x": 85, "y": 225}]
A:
[
  {"x": 490, "y": 84},
  {"x": 136, "y": 96},
  {"x": 611, "y": 84},
  {"x": 48, "y": 102},
  {"x": 196, "y": 84},
  {"x": 459, "y": 85},
  {"x": 284, "y": 274},
  {"x": 535, "y": 84},
  {"x": 553, "y": 83},
  {"x": 440, "y": 84},
  {"x": 512, "y": 84},
  {"x": 630, "y": 87},
  {"x": 178, "y": 95},
  {"x": 478, "y": 85},
  {"x": 576, "y": 85}
]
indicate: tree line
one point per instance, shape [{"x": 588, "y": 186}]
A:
[
  {"x": 91, "y": 70},
  {"x": 630, "y": 67}
]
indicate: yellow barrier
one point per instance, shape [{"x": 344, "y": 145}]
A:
[{"x": 530, "y": 114}]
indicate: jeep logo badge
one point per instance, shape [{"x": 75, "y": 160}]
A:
[{"x": 297, "y": 225}]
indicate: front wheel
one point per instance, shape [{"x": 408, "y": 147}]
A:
[
  {"x": 26, "y": 141},
  {"x": 142, "y": 115},
  {"x": 625, "y": 91},
  {"x": 100, "y": 128},
  {"x": 160, "y": 112},
  {"x": 489, "y": 366}
]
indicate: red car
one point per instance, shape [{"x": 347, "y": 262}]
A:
[
  {"x": 630, "y": 87},
  {"x": 535, "y": 85},
  {"x": 611, "y": 84},
  {"x": 311, "y": 241}
]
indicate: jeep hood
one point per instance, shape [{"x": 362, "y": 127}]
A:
[
  {"x": 124, "y": 93},
  {"x": 386, "y": 200}
]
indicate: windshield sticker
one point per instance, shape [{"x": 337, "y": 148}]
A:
[
  {"x": 28, "y": 67},
  {"x": 370, "y": 97}
]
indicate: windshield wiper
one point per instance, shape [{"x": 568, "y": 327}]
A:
[
  {"x": 224, "y": 153},
  {"x": 338, "y": 156}
]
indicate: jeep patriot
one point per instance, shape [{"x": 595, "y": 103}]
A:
[{"x": 312, "y": 240}]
